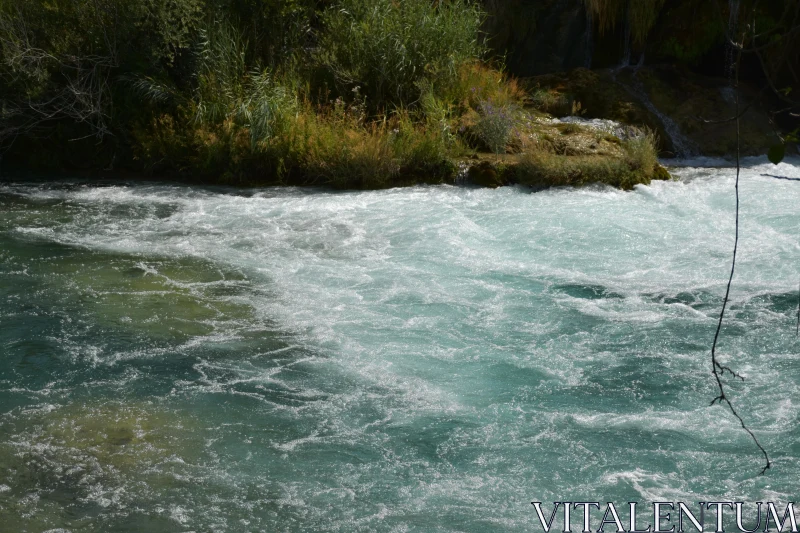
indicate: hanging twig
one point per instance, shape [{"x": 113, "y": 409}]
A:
[{"x": 718, "y": 369}]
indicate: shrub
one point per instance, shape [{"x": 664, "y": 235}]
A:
[
  {"x": 229, "y": 89},
  {"x": 477, "y": 82},
  {"x": 494, "y": 126},
  {"x": 58, "y": 58},
  {"x": 392, "y": 49},
  {"x": 333, "y": 148},
  {"x": 552, "y": 102},
  {"x": 642, "y": 151},
  {"x": 278, "y": 30}
]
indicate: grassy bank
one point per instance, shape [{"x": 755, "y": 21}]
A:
[{"x": 349, "y": 94}]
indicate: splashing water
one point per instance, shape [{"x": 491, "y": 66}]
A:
[
  {"x": 423, "y": 359},
  {"x": 684, "y": 147}
]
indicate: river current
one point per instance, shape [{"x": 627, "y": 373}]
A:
[{"x": 182, "y": 358}]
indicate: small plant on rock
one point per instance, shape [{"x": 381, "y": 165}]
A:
[{"x": 495, "y": 126}]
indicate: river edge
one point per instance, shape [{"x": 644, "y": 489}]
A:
[
  {"x": 609, "y": 126},
  {"x": 545, "y": 152},
  {"x": 502, "y": 166}
]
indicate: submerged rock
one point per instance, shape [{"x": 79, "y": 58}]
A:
[{"x": 67, "y": 464}]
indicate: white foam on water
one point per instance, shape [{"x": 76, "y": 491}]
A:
[{"x": 466, "y": 350}]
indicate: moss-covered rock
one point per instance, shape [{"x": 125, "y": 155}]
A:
[
  {"x": 702, "y": 108},
  {"x": 570, "y": 154},
  {"x": 699, "y": 106},
  {"x": 486, "y": 174},
  {"x": 660, "y": 173},
  {"x": 547, "y": 170},
  {"x": 594, "y": 94}
]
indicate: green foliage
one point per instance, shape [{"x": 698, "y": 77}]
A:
[
  {"x": 641, "y": 152},
  {"x": 494, "y": 126},
  {"x": 391, "y": 48},
  {"x": 776, "y": 153},
  {"x": 164, "y": 27},
  {"x": 690, "y": 31},
  {"x": 278, "y": 30},
  {"x": 550, "y": 101},
  {"x": 476, "y": 82},
  {"x": 59, "y": 60},
  {"x": 227, "y": 88},
  {"x": 317, "y": 146},
  {"x": 132, "y": 31},
  {"x": 240, "y": 90},
  {"x": 334, "y": 147}
]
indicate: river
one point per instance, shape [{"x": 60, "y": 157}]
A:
[{"x": 184, "y": 358}]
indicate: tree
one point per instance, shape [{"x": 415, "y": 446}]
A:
[{"x": 60, "y": 59}]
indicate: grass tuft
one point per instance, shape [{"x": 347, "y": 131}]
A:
[{"x": 541, "y": 167}]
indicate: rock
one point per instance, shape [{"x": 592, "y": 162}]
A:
[
  {"x": 702, "y": 108},
  {"x": 698, "y": 106},
  {"x": 595, "y": 95},
  {"x": 661, "y": 173},
  {"x": 485, "y": 174}
]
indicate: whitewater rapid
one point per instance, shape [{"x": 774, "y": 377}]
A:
[{"x": 430, "y": 358}]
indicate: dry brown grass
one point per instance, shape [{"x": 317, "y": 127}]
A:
[{"x": 637, "y": 163}]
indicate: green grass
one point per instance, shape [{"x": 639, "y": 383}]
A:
[
  {"x": 394, "y": 50},
  {"x": 638, "y": 165}
]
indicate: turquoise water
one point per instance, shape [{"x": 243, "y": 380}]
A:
[{"x": 178, "y": 358}]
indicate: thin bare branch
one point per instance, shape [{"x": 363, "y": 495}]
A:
[{"x": 717, "y": 369}]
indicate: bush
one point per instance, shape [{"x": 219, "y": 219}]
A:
[
  {"x": 334, "y": 148},
  {"x": 551, "y": 102},
  {"x": 476, "y": 82},
  {"x": 393, "y": 49},
  {"x": 642, "y": 151},
  {"x": 228, "y": 89},
  {"x": 58, "y": 60},
  {"x": 278, "y": 30},
  {"x": 494, "y": 126}
]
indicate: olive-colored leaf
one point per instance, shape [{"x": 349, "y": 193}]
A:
[{"x": 777, "y": 153}]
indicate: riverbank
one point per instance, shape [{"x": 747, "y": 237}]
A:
[
  {"x": 349, "y": 95},
  {"x": 497, "y": 134},
  {"x": 489, "y": 144}
]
